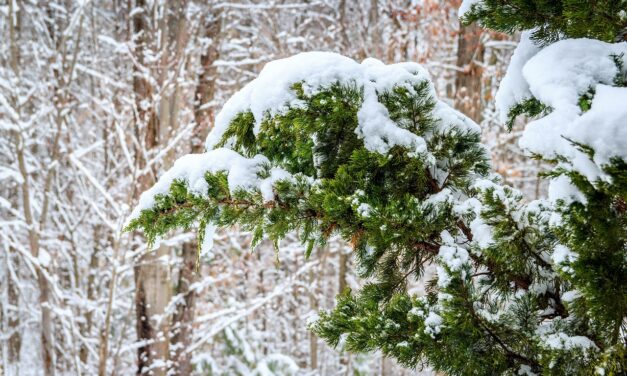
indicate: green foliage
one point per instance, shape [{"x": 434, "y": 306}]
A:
[
  {"x": 490, "y": 318},
  {"x": 314, "y": 138},
  {"x": 554, "y": 19},
  {"x": 596, "y": 230},
  {"x": 621, "y": 77},
  {"x": 520, "y": 287},
  {"x": 348, "y": 176},
  {"x": 530, "y": 107}
]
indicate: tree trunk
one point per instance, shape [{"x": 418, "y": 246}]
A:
[
  {"x": 34, "y": 226},
  {"x": 103, "y": 346},
  {"x": 342, "y": 23},
  {"x": 47, "y": 340},
  {"x": 468, "y": 80},
  {"x": 152, "y": 295},
  {"x": 203, "y": 112},
  {"x": 14, "y": 30},
  {"x": 342, "y": 269},
  {"x": 15, "y": 339},
  {"x": 152, "y": 287},
  {"x": 86, "y": 327},
  {"x": 13, "y": 319},
  {"x": 374, "y": 30},
  {"x": 313, "y": 339},
  {"x": 182, "y": 321},
  {"x": 183, "y": 318},
  {"x": 47, "y": 345}
]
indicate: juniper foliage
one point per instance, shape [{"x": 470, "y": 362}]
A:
[
  {"x": 520, "y": 287},
  {"x": 553, "y": 19}
]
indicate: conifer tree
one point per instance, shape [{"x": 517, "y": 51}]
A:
[{"x": 321, "y": 145}]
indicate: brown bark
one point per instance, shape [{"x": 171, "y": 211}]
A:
[
  {"x": 343, "y": 268},
  {"x": 34, "y": 226},
  {"x": 342, "y": 23},
  {"x": 46, "y": 324},
  {"x": 47, "y": 344},
  {"x": 374, "y": 29},
  {"x": 103, "y": 346},
  {"x": 152, "y": 294},
  {"x": 470, "y": 52},
  {"x": 14, "y": 30},
  {"x": 89, "y": 315},
  {"x": 342, "y": 271},
  {"x": 205, "y": 91},
  {"x": 152, "y": 288},
  {"x": 313, "y": 339},
  {"x": 183, "y": 318},
  {"x": 15, "y": 339}
]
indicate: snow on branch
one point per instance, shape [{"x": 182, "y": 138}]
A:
[
  {"x": 242, "y": 172},
  {"x": 575, "y": 88},
  {"x": 305, "y": 119},
  {"x": 271, "y": 94}
]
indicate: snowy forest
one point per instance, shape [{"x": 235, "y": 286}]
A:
[{"x": 313, "y": 187}]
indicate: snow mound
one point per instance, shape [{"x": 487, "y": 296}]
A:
[
  {"x": 604, "y": 126},
  {"x": 559, "y": 75},
  {"x": 562, "y": 341},
  {"x": 514, "y": 88},
  {"x": 271, "y": 94},
  {"x": 466, "y": 6},
  {"x": 242, "y": 173}
]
